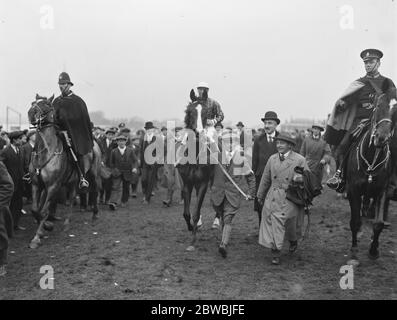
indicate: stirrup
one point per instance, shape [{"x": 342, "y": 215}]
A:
[
  {"x": 83, "y": 184},
  {"x": 336, "y": 182}
]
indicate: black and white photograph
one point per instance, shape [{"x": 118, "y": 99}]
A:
[{"x": 198, "y": 155}]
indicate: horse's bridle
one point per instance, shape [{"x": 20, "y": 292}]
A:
[
  {"x": 39, "y": 126},
  {"x": 372, "y": 167}
]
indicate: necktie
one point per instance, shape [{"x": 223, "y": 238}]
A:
[
  {"x": 282, "y": 157},
  {"x": 270, "y": 139}
]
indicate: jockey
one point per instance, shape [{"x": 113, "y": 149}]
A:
[
  {"x": 215, "y": 113},
  {"x": 352, "y": 109},
  {"x": 71, "y": 115}
]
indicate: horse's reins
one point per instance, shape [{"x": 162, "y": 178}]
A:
[
  {"x": 371, "y": 168},
  {"x": 225, "y": 172}
]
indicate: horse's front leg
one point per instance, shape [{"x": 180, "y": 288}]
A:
[
  {"x": 201, "y": 189},
  {"x": 187, "y": 196},
  {"x": 377, "y": 228},
  {"x": 72, "y": 197},
  {"x": 43, "y": 215},
  {"x": 355, "y": 222}
]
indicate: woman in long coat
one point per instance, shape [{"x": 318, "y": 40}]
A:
[
  {"x": 281, "y": 218},
  {"x": 316, "y": 151}
]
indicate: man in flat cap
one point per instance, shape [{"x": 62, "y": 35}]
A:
[
  {"x": 281, "y": 219},
  {"x": 264, "y": 147},
  {"x": 352, "y": 109},
  {"x": 107, "y": 144},
  {"x": 123, "y": 164},
  {"x": 71, "y": 115},
  {"x": 12, "y": 158}
]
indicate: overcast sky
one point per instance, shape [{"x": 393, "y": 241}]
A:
[{"x": 142, "y": 57}]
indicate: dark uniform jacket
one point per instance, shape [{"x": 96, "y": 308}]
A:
[
  {"x": 71, "y": 114},
  {"x": 357, "y": 98}
]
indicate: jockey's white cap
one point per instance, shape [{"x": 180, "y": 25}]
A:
[{"x": 203, "y": 84}]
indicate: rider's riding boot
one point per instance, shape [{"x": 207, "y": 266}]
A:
[
  {"x": 337, "y": 182},
  {"x": 83, "y": 183}
]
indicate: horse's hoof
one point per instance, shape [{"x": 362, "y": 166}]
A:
[
  {"x": 48, "y": 226},
  {"x": 353, "y": 262},
  {"x": 373, "y": 256},
  {"x": 190, "y": 228},
  {"x": 34, "y": 244},
  {"x": 190, "y": 248}
]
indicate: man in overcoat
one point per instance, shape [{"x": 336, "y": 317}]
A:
[
  {"x": 12, "y": 158},
  {"x": 281, "y": 218},
  {"x": 264, "y": 147},
  {"x": 316, "y": 151}
]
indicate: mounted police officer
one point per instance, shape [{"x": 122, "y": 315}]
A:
[
  {"x": 72, "y": 117},
  {"x": 353, "y": 109}
]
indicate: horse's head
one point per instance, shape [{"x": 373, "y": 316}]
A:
[
  {"x": 382, "y": 119},
  {"x": 196, "y": 107},
  {"x": 41, "y": 111}
]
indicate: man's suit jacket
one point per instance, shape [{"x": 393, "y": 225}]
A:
[
  {"x": 123, "y": 163},
  {"x": 14, "y": 165},
  {"x": 106, "y": 150},
  {"x": 261, "y": 153},
  {"x": 222, "y": 187},
  {"x": 144, "y": 145},
  {"x": 26, "y": 151}
]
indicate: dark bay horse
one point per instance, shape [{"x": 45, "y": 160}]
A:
[
  {"x": 52, "y": 168},
  {"x": 368, "y": 171},
  {"x": 196, "y": 172}
]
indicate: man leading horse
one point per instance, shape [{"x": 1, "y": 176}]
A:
[{"x": 351, "y": 114}]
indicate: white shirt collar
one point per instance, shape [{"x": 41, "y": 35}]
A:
[
  {"x": 286, "y": 154},
  {"x": 14, "y": 147}
]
